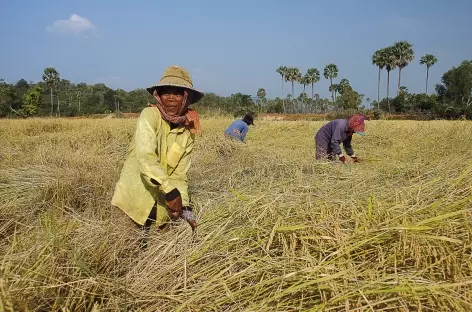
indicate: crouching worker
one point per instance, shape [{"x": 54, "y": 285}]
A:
[
  {"x": 153, "y": 187},
  {"x": 239, "y": 128},
  {"x": 329, "y": 138}
]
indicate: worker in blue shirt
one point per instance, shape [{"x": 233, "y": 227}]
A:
[{"x": 238, "y": 128}]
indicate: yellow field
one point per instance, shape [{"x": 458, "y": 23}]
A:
[{"x": 279, "y": 231}]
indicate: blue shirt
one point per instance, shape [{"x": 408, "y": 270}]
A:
[{"x": 237, "y": 130}]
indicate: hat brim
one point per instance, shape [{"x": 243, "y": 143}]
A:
[{"x": 197, "y": 95}]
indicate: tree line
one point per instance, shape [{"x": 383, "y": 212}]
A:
[
  {"x": 452, "y": 98},
  {"x": 54, "y": 96}
]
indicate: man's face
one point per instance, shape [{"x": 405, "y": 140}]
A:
[{"x": 172, "y": 98}]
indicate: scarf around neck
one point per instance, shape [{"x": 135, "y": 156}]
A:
[{"x": 187, "y": 116}]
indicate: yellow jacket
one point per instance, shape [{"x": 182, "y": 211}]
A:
[{"x": 156, "y": 154}]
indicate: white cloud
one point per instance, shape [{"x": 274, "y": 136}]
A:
[{"x": 74, "y": 25}]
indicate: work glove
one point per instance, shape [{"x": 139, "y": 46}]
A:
[
  {"x": 356, "y": 159},
  {"x": 342, "y": 159},
  {"x": 187, "y": 215},
  {"x": 174, "y": 204}
]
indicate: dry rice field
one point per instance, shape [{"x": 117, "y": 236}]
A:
[{"x": 278, "y": 230}]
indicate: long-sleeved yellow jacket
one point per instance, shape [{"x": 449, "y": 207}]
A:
[{"x": 156, "y": 154}]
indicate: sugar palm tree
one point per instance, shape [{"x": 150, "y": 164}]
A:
[
  {"x": 282, "y": 71},
  {"x": 379, "y": 61},
  {"x": 304, "y": 82},
  {"x": 404, "y": 54},
  {"x": 313, "y": 76},
  {"x": 390, "y": 64},
  {"x": 261, "y": 95},
  {"x": 51, "y": 78},
  {"x": 293, "y": 75},
  {"x": 330, "y": 72},
  {"x": 428, "y": 60}
]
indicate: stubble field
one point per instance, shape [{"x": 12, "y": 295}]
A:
[{"x": 278, "y": 230}]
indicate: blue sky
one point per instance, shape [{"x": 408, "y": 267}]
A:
[{"x": 229, "y": 46}]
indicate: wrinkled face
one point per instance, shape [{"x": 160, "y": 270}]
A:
[{"x": 172, "y": 98}]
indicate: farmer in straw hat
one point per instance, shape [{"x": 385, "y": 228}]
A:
[
  {"x": 153, "y": 183},
  {"x": 335, "y": 132}
]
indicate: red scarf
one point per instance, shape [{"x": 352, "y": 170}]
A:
[{"x": 187, "y": 116}]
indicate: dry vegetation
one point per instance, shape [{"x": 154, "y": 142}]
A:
[{"x": 279, "y": 231}]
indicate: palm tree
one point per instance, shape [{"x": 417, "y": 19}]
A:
[
  {"x": 81, "y": 87},
  {"x": 313, "y": 76},
  {"x": 428, "y": 60},
  {"x": 304, "y": 82},
  {"x": 302, "y": 98},
  {"x": 51, "y": 78},
  {"x": 261, "y": 94},
  {"x": 282, "y": 71},
  {"x": 390, "y": 64},
  {"x": 379, "y": 61},
  {"x": 293, "y": 75},
  {"x": 330, "y": 72},
  {"x": 334, "y": 88},
  {"x": 404, "y": 54}
]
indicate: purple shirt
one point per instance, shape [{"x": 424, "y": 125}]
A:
[{"x": 332, "y": 134}]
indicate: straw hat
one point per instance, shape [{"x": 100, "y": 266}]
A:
[{"x": 177, "y": 76}]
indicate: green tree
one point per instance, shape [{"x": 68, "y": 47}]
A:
[
  {"x": 261, "y": 95},
  {"x": 9, "y": 99},
  {"x": 404, "y": 54},
  {"x": 304, "y": 82},
  {"x": 428, "y": 60},
  {"x": 350, "y": 99},
  {"x": 293, "y": 75},
  {"x": 241, "y": 104},
  {"x": 343, "y": 86},
  {"x": 390, "y": 64},
  {"x": 80, "y": 90},
  {"x": 32, "y": 100},
  {"x": 330, "y": 72},
  {"x": 312, "y": 76},
  {"x": 379, "y": 61},
  {"x": 282, "y": 71},
  {"x": 455, "y": 92},
  {"x": 21, "y": 87},
  {"x": 51, "y": 78},
  {"x": 275, "y": 106}
]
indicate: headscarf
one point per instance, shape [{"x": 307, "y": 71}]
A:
[
  {"x": 356, "y": 123},
  {"x": 186, "y": 117}
]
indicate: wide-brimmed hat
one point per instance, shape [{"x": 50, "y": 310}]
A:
[
  {"x": 177, "y": 76},
  {"x": 356, "y": 123}
]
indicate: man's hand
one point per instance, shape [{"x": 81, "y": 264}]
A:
[{"x": 174, "y": 204}]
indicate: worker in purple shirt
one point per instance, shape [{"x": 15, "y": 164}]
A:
[
  {"x": 329, "y": 138},
  {"x": 239, "y": 128}
]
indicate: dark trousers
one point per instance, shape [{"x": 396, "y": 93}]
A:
[{"x": 147, "y": 226}]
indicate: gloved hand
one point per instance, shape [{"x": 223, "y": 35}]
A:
[
  {"x": 356, "y": 159},
  {"x": 174, "y": 204},
  {"x": 188, "y": 215},
  {"x": 342, "y": 159}
]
